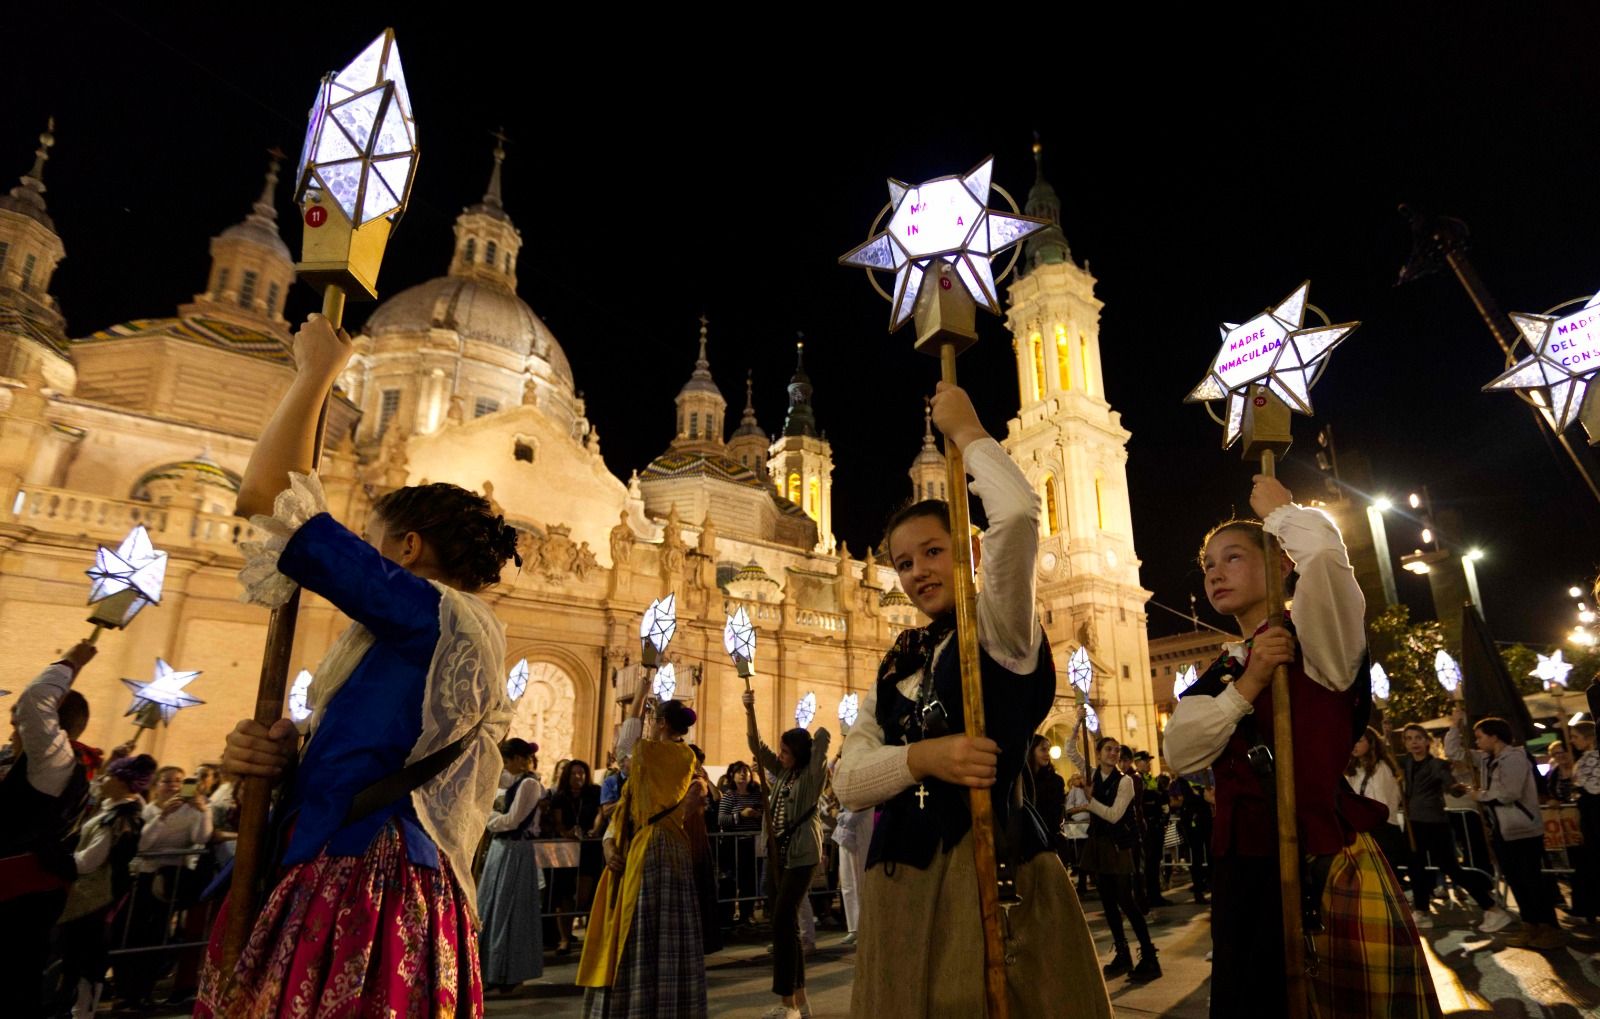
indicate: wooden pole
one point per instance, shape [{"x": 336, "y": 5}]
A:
[
  {"x": 255, "y": 794},
  {"x": 994, "y": 960},
  {"x": 1294, "y": 948}
]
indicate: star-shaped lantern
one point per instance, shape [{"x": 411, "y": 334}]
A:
[
  {"x": 655, "y": 631},
  {"x": 1091, "y": 718},
  {"x": 849, "y": 708},
  {"x": 944, "y": 219},
  {"x": 164, "y": 692},
  {"x": 517, "y": 681},
  {"x": 1565, "y": 358},
  {"x": 806, "y": 710},
  {"x": 126, "y": 580},
  {"x": 1552, "y": 669},
  {"x": 1380, "y": 682},
  {"x": 299, "y": 707},
  {"x": 1079, "y": 671},
  {"x": 1273, "y": 350},
  {"x": 1447, "y": 670},
  {"x": 739, "y": 638},
  {"x": 665, "y": 683},
  {"x": 1185, "y": 679}
]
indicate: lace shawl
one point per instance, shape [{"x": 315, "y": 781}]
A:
[{"x": 463, "y": 691}]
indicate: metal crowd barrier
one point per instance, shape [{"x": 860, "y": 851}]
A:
[{"x": 154, "y": 917}]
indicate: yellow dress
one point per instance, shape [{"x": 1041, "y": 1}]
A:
[{"x": 657, "y": 782}]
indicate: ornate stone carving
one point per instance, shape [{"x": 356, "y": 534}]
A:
[
  {"x": 672, "y": 544},
  {"x": 621, "y": 542},
  {"x": 584, "y": 560}
]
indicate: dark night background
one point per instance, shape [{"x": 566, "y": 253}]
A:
[{"x": 662, "y": 170}]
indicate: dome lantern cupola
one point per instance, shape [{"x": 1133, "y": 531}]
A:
[
  {"x": 749, "y": 442},
  {"x": 1048, "y": 246},
  {"x": 251, "y": 267},
  {"x": 701, "y": 406},
  {"x": 487, "y": 242},
  {"x": 32, "y": 329}
]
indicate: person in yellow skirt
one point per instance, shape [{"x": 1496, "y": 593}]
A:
[{"x": 642, "y": 954}]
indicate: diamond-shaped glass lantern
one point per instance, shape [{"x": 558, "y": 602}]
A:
[
  {"x": 1380, "y": 682},
  {"x": 849, "y": 708},
  {"x": 1091, "y": 718},
  {"x": 299, "y": 691},
  {"x": 1447, "y": 670},
  {"x": 164, "y": 693},
  {"x": 739, "y": 638},
  {"x": 665, "y": 684},
  {"x": 356, "y": 167},
  {"x": 517, "y": 681},
  {"x": 1079, "y": 671},
  {"x": 656, "y": 629},
  {"x": 126, "y": 580},
  {"x": 806, "y": 710}
]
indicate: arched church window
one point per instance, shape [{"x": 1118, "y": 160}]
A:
[
  {"x": 470, "y": 253},
  {"x": 794, "y": 489},
  {"x": 694, "y": 425},
  {"x": 1037, "y": 343},
  {"x": 489, "y": 253},
  {"x": 247, "y": 289},
  {"x": 1099, "y": 503},
  {"x": 814, "y": 498},
  {"x": 1083, "y": 355},
  {"x": 1063, "y": 356},
  {"x": 1052, "y": 514},
  {"x": 388, "y": 407}
]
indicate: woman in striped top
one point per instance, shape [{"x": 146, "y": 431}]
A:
[{"x": 742, "y": 807}]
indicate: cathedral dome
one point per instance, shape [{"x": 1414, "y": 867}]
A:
[{"x": 477, "y": 310}]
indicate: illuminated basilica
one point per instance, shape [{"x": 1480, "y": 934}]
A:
[{"x": 456, "y": 379}]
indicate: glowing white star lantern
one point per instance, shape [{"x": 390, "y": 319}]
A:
[
  {"x": 944, "y": 219},
  {"x": 1565, "y": 358},
  {"x": 1380, "y": 682},
  {"x": 665, "y": 684},
  {"x": 1447, "y": 670},
  {"x": 1080, "y": 671},
  {"x": 164, "y": 692},
  {"x": 1552, "y": 669},
  {"x": 299, "y": 708},
  {"x": 1273, "y": 350},
  {"x": 849, "y": 708},
  {"x": 1091, "y": 718},
  {"x": 656, "y": 629},
  {"x": 806, "y": 710},
  {"x": 739, "y": 638},
  {"x": 126, "y": 580},
  {"x": 517, "y": 681},
  {"x": 1186, "y": 678},
  {"x": 361, "y": 143}
]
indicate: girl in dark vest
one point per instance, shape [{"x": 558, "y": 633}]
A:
[
  {"x": 920, "y": 947},
  {"x": 1369, "y": 960},
  {"x": 1110, "y": 853},
  {"x": 511, "y": 942}
]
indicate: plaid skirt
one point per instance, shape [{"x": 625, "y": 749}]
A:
[
  {"x": 357, "y": 936},
  {"x": 1370, "y": 958},
  {"x": 662, "y": 969}
]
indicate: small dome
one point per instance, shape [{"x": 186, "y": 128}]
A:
[
  {"x": 478, "y": 311},
  {"x": 201, "y": 471},
  {"x": 894, "y": 597},
  {"x": 752, "y": 571},
  {"x": 256, "y": 230}
]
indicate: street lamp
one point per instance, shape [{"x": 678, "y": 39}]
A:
[
  {"x": 1380, "y": 546},
  {"x": 1575, "y": 591}
]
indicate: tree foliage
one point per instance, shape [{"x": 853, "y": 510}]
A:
[{"x": 1406, "y": 651}]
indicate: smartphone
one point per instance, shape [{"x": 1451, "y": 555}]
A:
[{"x": 189, "y": 789}]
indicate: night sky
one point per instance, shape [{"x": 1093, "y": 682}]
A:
[{"x": 658, "y": 171}]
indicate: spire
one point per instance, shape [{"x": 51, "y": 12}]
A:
[
  {"x": 748, "y": 425},
  {"x": 927, "y": 425},
  {"x": 1048, "y": 246},
  {"x": 700, "y": 380},
  {"x": 27, "y": 197},
  {"x": 493, "y": 203},
  {"x": 261, "y": 225},
  {"x": 801, "y": 420},
  {"x": 265, "y": 208}
]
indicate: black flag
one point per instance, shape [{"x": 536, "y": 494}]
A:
[{"x": 1486, "y": 686}]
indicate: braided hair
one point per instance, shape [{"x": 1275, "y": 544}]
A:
[{"x": 471, "y": 543}]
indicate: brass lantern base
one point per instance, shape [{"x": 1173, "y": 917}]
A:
[
  {"x": 945, "y": 314},
  {"x": 1266, "y": 424},
  {"x": 337, "y": 253},
  {"x": 117, "y": 611}
]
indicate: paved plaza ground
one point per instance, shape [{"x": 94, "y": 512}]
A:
[{"x": 1475, "y": 978}]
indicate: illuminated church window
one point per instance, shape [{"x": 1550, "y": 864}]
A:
[
  {"x": 794, "y": 489},
  {"x": 247, "y": 289},
  {"x": 814, "y": 498},
  {"x": 1052, "y": 516},
  {"x": 1063, "y": 356},
  {"x": 1083, "y": 354},
  {"x": 1099, "y": 504},
  {"x": 1037, "y": 343}
]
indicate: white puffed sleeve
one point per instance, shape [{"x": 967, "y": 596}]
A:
[{"x": 263, "y": 584}]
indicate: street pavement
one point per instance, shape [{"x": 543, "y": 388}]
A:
[{"x": 1476, "y": 976}]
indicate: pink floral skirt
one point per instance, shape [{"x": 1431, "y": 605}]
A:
[{"x": 356, "y": 936}]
